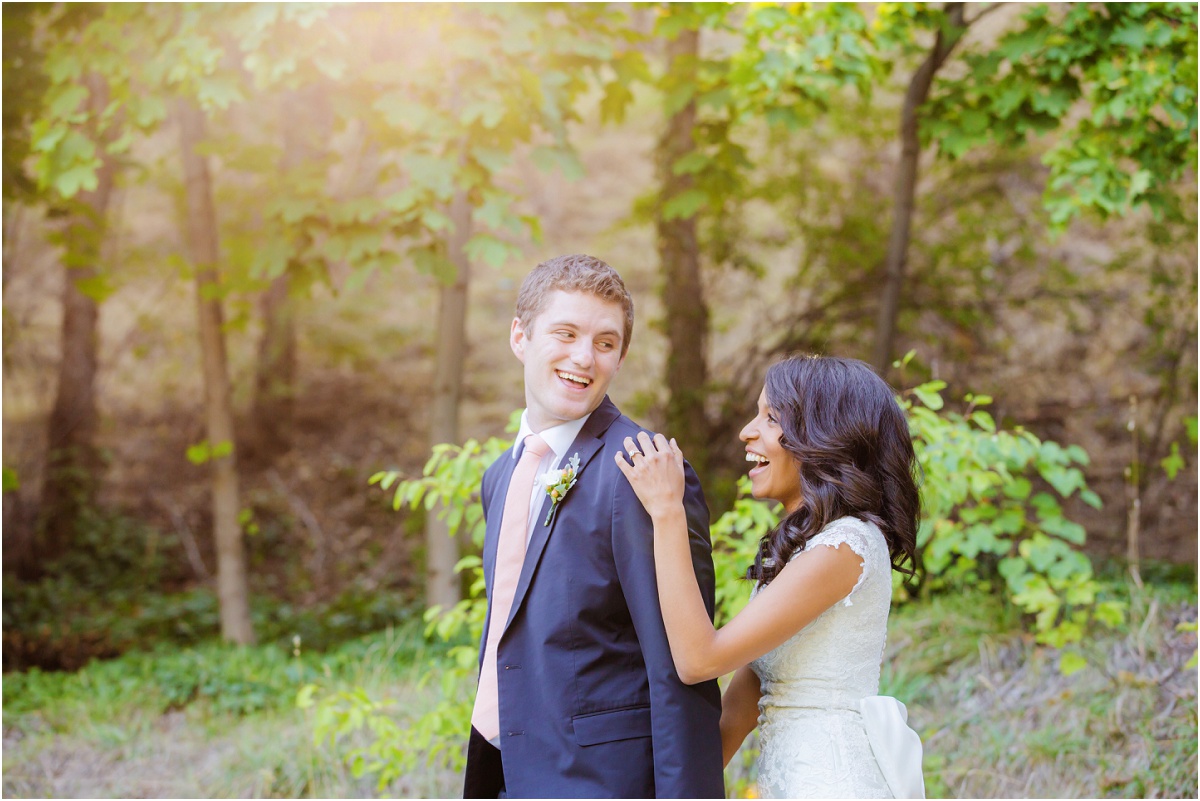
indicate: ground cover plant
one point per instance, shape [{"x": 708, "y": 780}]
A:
[{"x": 997, "y": 716}]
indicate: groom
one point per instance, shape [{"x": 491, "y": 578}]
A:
[{"x": 578, "y": 696}]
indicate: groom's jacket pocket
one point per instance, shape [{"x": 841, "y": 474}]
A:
[{"x": 617, "y": 724}]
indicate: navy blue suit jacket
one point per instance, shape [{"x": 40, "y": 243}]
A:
[{"x": 590, "y": 704}]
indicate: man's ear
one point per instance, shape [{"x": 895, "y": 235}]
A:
[{"x": 517, "y": 338}]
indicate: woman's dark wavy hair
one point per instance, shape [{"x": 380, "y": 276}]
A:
[{"x": 854, "y": 454}]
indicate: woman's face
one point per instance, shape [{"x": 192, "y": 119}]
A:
[{"x": 774, "y": 474}]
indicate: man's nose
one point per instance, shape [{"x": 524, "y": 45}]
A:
[{"x": 582, "y": 354}]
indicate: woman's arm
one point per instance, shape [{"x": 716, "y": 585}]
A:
[
  {"x": 811, "y": 583},
  {"x": 739, "y": 711}
]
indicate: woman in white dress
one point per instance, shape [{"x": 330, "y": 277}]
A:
[{"x": 831, "y": 444}]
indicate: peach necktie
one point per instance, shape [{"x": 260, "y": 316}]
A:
[{"x": 510, "y": 555}]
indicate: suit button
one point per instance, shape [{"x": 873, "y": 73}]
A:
[{"x": 512, "y": 667}]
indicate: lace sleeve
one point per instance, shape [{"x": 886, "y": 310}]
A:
[{"x": 849, "y": 531}]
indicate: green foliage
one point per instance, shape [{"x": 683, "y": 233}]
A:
[
  {"x": 1173, "y": 462},
  {"x": 202, "y": 452},
  {"x": 984, "y": 516},
  {"x": 1131, "y": 69},
  {"x": 12, "y": 481},
  {"x": 451, "y": 479},
  {"x": 212, "y": 677},
  {"x": 735, "y": 537}
]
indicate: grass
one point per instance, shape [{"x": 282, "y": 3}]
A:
[
  {"x": 998, "y": 719},
  {"x": 996, "y": 716}
]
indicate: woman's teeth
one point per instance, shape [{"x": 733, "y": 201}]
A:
[{"x": 754, "y": 457}]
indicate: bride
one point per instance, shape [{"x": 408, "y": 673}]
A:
[{"x": 831, "y": 444}]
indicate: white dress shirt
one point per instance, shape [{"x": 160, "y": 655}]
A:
[{"x": 559, "y": 438}]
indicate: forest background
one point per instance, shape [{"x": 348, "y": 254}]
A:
[{"x": 260, "y": 259}]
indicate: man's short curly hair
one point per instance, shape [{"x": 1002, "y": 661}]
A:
[{"x": 576, "y": 273}]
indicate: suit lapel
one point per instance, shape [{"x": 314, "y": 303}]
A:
[
  {"x": 587, "y": 444},
  {"x": 495, "y": 514}
]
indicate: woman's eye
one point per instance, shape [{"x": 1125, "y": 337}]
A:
[{"x": 605, "y": 345}]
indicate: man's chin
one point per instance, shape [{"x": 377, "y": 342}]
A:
[{"x": 575, "y": 409}]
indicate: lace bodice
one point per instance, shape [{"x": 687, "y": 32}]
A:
[{"x": 812, "y": 739}]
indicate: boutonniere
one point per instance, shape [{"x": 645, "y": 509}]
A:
[{"x": 558, "y": 483}]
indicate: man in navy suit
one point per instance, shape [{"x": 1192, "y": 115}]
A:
[{"x": 588, "y": 699}]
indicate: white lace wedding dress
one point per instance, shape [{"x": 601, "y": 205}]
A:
[{"x": 811, "y": 735}]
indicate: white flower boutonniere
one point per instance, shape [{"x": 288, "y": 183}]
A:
[{"x": 558, "y": 483}]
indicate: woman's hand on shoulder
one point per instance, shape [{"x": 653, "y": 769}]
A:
[{"x": 654, "y": 468}]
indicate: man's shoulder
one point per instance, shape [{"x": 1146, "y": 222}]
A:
[
  {"x": 623, "y": 427},
  {"x": 496, "y": 466}
]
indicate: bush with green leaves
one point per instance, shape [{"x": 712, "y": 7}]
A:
[
  {"x": 992, "y": 512},
  {"x": 992, "y": 517},
  {"x": 451, "y": 478}
]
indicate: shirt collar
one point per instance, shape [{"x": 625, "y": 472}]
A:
[{"x": 558, "y": 437}]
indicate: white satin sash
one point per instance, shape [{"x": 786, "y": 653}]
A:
[{"x": 896, "y": 746}]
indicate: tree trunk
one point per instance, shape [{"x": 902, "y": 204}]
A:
[
  {"x": 305, "y": 124},
  {"x": 73, "y": 464},
  {"x": 682, "y": 292},
  {"x": 232, "y": 590},
  {"x": 442, "y": 586},
  {"x": 275, "y": 377},
  {"x": 904, "y": 193}
]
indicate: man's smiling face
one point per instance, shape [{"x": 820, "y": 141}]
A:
[{"x": 571, "y": 351}]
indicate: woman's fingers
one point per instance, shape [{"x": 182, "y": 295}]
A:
[{"x": 647, "y": 448}]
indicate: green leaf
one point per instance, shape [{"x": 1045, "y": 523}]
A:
[
  {"x": 928, "y": 394},
  {"x": 77, "y": 177},
  {"x": 679, "y": 97},
  {"x": 1071, "y": 663},
  {"x": 482, "y": 247},
  {"x": 198, "y": 453},
  {"x": 693, "y": 162},
  {"x": 11, "y": 482},
  {"x": 67, "y": 100},
  {"x": 684, "y": 205},
  {"x": 435, "y": 264},
  {"x": 1173, "y": 463},
  {"x": 491, "y": 158},
  {"x": 1064, "y": 528},
  {"x": 617, "y": 98},
  {"x": 1110, "y": 613},
  {"x": 1018, "y": 488},
  {"x": 984, "y": 421},
  {"x": 304, "y": 698},
  {"x": 549, "y": 158},
  {"x": 432, "y": 173},
  {"x": 1064, "y": 480},
  {"x": 96, "y": 287}
]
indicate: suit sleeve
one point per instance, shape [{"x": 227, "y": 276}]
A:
[
  {"x": 685, "y": 719},
  {"x": 486, "y": 487}
]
